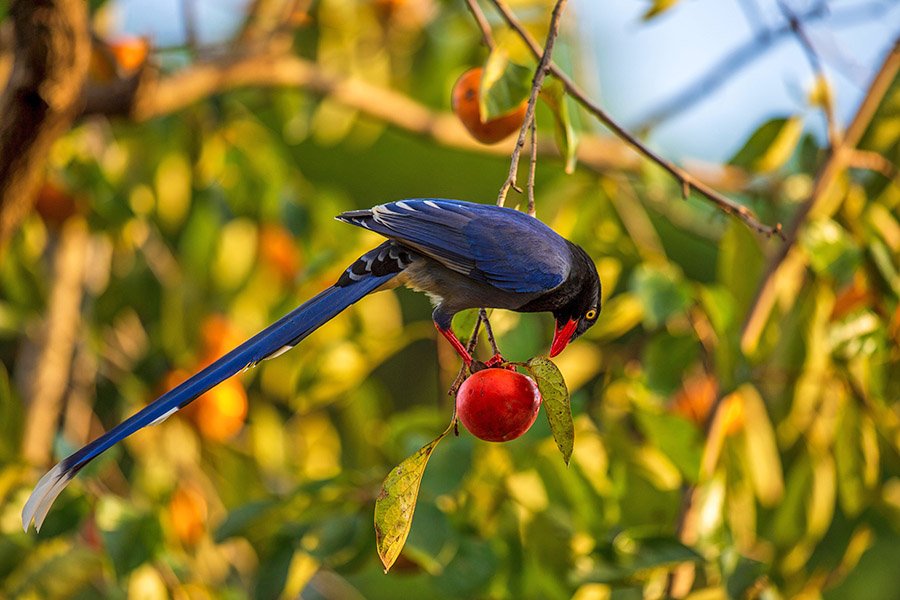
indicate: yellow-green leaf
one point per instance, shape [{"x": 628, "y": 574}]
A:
[
  {"x": 760, "y": 448},
  {"x": 770, "y": 146},
  {"x": 555, "y": 396},
  {"x": 657, "y": 8},
  {"x": 554, "y": 95},
  {"x": 504, "y": 85},
  {"x": 396, "y": 503}
]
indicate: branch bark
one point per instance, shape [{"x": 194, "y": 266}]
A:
[
  {"x": 52, "y": 50},
  {"x": 537, "y": 82},
  {"x": 789, "y": 260},
  {"x": 686, "y": 180},
  {"x": 149, "y": 94}
]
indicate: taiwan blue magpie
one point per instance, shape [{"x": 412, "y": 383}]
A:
[{"x": 463, "y": 255}]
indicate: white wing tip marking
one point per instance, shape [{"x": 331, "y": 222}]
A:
[
  {"x": 433, "y": 204},
  {"x": 383, "y": 210},
  {"x": 41, "y": 499},
  {"x": 164, "y": 416},
  {"x": 402, "y": 204},
  {"x": 286, "y": 347}
]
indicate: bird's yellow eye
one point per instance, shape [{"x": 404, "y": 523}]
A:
[{"x": 591, "y": 314}]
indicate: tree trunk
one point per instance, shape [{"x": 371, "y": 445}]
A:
[{"x": 52, "y": 52}]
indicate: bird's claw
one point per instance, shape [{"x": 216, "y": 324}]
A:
[
  {"x": 497, "y": 360},
  {"x": 476, "y": 365}
]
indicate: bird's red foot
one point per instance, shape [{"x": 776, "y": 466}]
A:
[
  {"x": 457, "y": 345},
  {"x": 495, "y": 360}
]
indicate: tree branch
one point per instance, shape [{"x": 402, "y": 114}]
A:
[
  {"x": 52, "y": 50},
  {"x": 149, "y": 94},
  {"x": 536, "y": 83},
  {"x": 486, "y": 37},
  {"x": 50, "y": 378},
  {"x": 840, "y": 157},
  {"x": 684, "y": 178},
  {"x": 815, "y": 63},
  {"x": 740, "y": 57}
]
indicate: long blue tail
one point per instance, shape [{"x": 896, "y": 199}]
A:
[{"x": 279, "y": 337}]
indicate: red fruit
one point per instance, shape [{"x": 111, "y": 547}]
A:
[
  {"x": 497, "y": 405},
  {"x": 465, "y": 105},
  {"x": 55, "y": 204}
]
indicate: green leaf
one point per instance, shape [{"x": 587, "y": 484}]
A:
[
  {"x": 504, "y": 85},
  {"x": 471, "y": 569},
  {"x": 632, "y": 555},
  {"x": 740, "y": 263},
  {"x": 396, "y": 503},
  {"x": 432, "y": 539},
  {"x": 131, "y": 538},
  {"x": 677, "y": 438},
  {"x": 770, "y": 146},
  {"x": 554, "y": 95},
  {"x": 643, "y": 553},
  {"x": 831, "y": 250},
  {"x": 743, "y": 576},
  {"x": 11, "y": 418},
  {"x": 856, "y": 455},
  {"x": 555, "y": 396},
  {"x": 666, "y": 358},
  {"x": 273, "y": 571},
  {"x": 661, "y": 291},
  {"x": 241, "y": 519}
]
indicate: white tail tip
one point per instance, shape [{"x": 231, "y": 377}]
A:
[{"x": 41, "y": 499}]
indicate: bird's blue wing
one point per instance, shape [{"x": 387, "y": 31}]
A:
[{"x": 500, "y": 246}]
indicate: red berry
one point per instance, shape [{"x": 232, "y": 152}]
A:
[{"x": 497, "y": 405}]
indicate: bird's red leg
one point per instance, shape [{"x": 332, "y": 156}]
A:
[{"x": 457, "y": 345}]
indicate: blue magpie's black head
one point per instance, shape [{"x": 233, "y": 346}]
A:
[{"x": 579, "y": 301}]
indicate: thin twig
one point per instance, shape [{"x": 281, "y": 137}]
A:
[
  {"x": 536, "y": 83},
  {"x": 189, "y": 16},
  {"x": 815, "y": 63},
  {"x": 486, "y": 37},
  {"x": 489, "y": 331},
  {"x": 532, "y": 167},
  {"x": 683, "y": 177},
  {"x": 734, "y": 61},
  {"x": 872, "y": 161}
]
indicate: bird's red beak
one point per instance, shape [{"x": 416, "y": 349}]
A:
[{"x": 562, "y": 336}]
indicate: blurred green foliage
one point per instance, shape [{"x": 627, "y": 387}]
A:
[{"x": 206, "y": 225}]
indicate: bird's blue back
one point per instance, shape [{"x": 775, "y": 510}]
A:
[{"x": 500, "y": 246}]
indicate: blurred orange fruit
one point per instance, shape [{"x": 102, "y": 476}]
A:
[
  {"x": 854, "y": 296},
  {"x": 55, "y": 205},
  {"x": 187, "y": 511},
  {"x": 696, "y": 397},
  {"x": 219, "y": 414},
  {"x": 219, "y": 336},
  {"x": 406, "y": 14},
  {"x": 465, "y": 104},
  {"x": 278, "y": 249},
  {"x": 130, "y": 52},
  {"x": 222, "y": 410}
]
